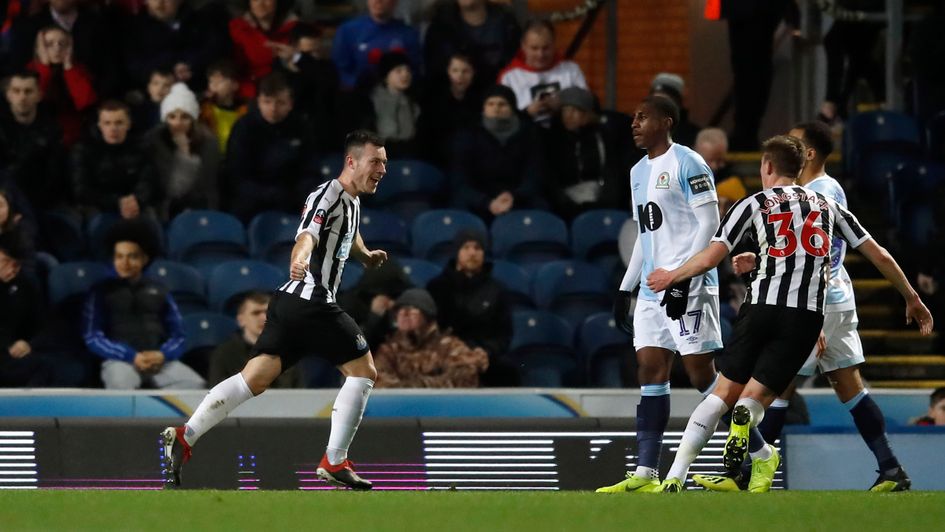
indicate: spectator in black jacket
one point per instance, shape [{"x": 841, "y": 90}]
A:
[
  {"x": 472, "y": 303},
  {"x": 21, "y": 315},
  {"x": 266, "y": 152},
  {"x": 485, "y": 31},
  {"x": 132, "y": 322},
  {"x": 171, "y": 34},
  {"x": 498, "y": 165},
  {"x": 314, "y": 81},
  {"x": 110, "y": 172},
  {"x": 450, "y": 107},
  {"x": 587, "y": 167},
  {"x": 31, "y": 153}
]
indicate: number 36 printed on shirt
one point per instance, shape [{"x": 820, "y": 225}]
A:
[{"x": 813, "y": 239}]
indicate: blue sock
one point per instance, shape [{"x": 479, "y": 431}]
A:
[
  {"x": 773, "y": 422},
  {"x": 870, "y": 422},
  {"x": 652, "y": 417},
  {"x": 755, "y": 440}
]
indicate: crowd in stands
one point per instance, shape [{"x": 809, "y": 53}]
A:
[{"x": 141, "y": 110}]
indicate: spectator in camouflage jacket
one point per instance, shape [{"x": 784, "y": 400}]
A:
[{"x": 418, "y": 355}]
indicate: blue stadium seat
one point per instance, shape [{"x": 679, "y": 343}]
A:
[
  {"x": 204, "y": 238},
  {"x": 74, "y": 279},
  {"x": 96, "y": 230},
  {"x": 233, "y": 278},
  {"x": 330, "y": 166},
  {"x": 542, "y": 348},
  {"x": 517, "y": 283},
  {"x": 432, "y": 233},
  {"x": 271, "y": 237},
  {"x": 919, "y": 179},
  {"x": 879, "y": 166},
  {"x": 409, "y": 188},
  {"x": 866, "y": 131},
  {"x": 918, "y": 224},
  {"x": 63, "y": 235},
  {"x": 594, "y": 233},
  {"x": 529, "y": 237},
  {"x": 384, "y": 230},
  {"x": 606, "y": 351},
  {"x": 186, "y": 284},
  {"x": 204, "y": 330},
  {"x": 352, "y": 274},
  {"x": 572, "y": 289},
  {"x": 419, "y": 271}
]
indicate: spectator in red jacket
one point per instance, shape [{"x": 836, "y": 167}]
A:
[
  {"x": 65, "y": 84},
  {"x": 265, "y": 25}
]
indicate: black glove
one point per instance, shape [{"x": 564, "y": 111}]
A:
[
  {"x": 622, "y": 317},
  {"x": 675, "y": 299}
]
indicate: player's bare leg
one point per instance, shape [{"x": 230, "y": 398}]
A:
[
  {"x": 699, "y": 429},
  {"x": 253, "y": 380},
  {"x": 335, "y": 468}
]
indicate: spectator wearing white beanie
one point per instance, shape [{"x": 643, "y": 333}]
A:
[
  {"x": 185, "y": 155},
  {"x": 180, "y": 97}
]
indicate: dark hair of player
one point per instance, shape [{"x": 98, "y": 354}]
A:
[
  {"x": 665, "y": 106},
  {"x": 786, "y": 155},
  {"x": 358, "y": 138},
  {"x": 817, "y": 135}
]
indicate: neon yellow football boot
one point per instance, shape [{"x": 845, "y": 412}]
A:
[
  {"x": 736, "y": 445},
  {"x": 762, "y": 472},
  {"x": 671, "y": 485},
  {"x": 716, "y": 482},
  {"x": 630, "y": 484}
]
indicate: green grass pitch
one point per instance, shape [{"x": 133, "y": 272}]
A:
[{"x": 452, "y": 511}]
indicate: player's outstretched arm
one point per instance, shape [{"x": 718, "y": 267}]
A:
[
  {"x": 370, "y": 259},
  {"x": 301, "y": 251},
  {"x": 887, "y": 265},
  {"x": 700, "y": 263}
]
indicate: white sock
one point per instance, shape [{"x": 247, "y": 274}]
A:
[
  {"x": 219, "y": 401},
  {"x": 701, "y": 426},
  {"x": 646, "y": 472},
  {"x": 762, "y": 454},
  {"x": 780, "y": 403},
  {"x": 755, "y": 408},
  {"x": 346, "y": 416}
]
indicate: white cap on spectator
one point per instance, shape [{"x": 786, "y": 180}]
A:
[{"x": 181, "y": 98}]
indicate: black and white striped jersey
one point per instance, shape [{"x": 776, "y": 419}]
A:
[
  {"x": 332, "y": 216},
  {"x": 794, "y": 227}
]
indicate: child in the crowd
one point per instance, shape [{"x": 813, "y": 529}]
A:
[
  {"x": 222, "y": 105},
  {"x": 395, "y": 111},
  {"x": 146, "y": 113}
]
